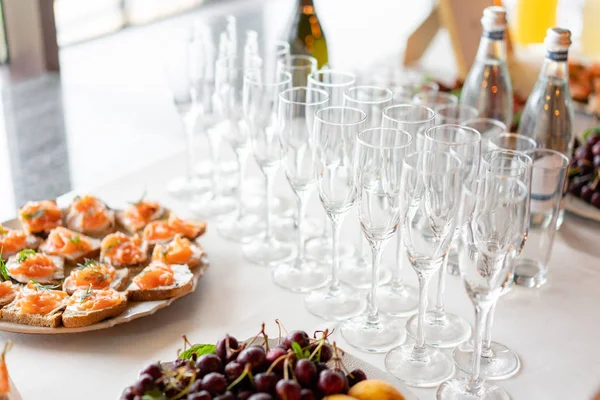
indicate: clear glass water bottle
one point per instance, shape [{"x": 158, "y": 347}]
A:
[{"x": 487, "y": 86}]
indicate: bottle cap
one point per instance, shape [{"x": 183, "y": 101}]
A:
[
  {"x": 557, "y": 39},
  {"x": 494, "y": 18}
]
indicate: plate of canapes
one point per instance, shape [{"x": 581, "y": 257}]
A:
[{"x": 88, "y": 267}]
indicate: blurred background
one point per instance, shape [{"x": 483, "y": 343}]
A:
[{"x": 82, "y": 89}]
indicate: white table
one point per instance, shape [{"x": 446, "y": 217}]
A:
[{"x": 555, "y": 330}]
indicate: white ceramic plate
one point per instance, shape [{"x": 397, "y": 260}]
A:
[
  {"x": 133, "y": 311},
  {"x": 579, "y": 207}
]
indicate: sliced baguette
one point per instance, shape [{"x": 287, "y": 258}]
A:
[
  {"x": 73, "y": 317},
  {"x": 119, "y": 283},
  {"x": 31, "y": 242},
  {"x": 184, "y": 282},
  {"x": 77, "y": 257},
  {"x": 7, "y": 299},
  {"x": 55, "y": 279},
  {"x": 12, "y": 313}
]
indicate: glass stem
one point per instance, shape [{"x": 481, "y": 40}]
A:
[
  {"x": 439, "y": 301},
  {"x": 334, "y": 287},
  {"x": 373, "y": 316},
  {"x": 420, "y": 351},
  {"x": 475, "y": 384},
  {"x": 269, "y": 202},
  {"x": 301, "y": 204},
  {"x": 189, "y": 123},
  {"x": 361, "y": 248},
  {"x": 242, "y": 158},
  {"x": 215, "y": 156},
  {"x": 396, "y": 280},
  {"x": 487, "y": 340}
]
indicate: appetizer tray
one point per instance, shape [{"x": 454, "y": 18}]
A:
[{"x": 582, "y": 209}]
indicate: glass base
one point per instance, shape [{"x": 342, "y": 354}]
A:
[
  {"x": 373, "y": 337},
  {"x": 398, "y": 300},
  {"x": 305, "y": 277},
  {"x": 211, "y": 206},
  {"x": 448, "y": 331},
  {"x": 358, "y": 274},
  {"x": 241, "y": 230},
  {"x": 503, "y": 363},
  {"x": 182, "y": 187},
  {"x": 320, "y": 249},
  {"x": 336, "y": 306},
  {"x": 530, "y": 273},
  {"x": 456, "y": 389},
  {"x": 428, "y": 371},
  {"x": 285, "y": 229},
  {"x": 268, "y": 252}
]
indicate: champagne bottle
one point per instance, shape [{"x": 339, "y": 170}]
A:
[{"x": 306, "y": 35}]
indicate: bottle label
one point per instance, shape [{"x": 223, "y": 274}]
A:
[
  {"x": 494, "y": 35},
  {"x": 557, "y": 55}
]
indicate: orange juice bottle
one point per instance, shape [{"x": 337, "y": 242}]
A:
[{"x": 533, "y": 18}]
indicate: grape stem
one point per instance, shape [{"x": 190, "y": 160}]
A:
[
  {"x": 246, "y": 373},
  {"x": 277, "y": 361}
]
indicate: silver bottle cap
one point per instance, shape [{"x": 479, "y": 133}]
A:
[
  {"x": 557, "y": 39},
  {"x": 494, "y": 18}
]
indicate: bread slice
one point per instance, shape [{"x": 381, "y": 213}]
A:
[
  {"x": 74, "y": 222},
  {"x": 119, "y": 283},
  {"x": 184, "y": 281},
  {"x": 7, "y": 299},
  {"x": 31, "y": 242},
  {"x": 172, "y": 226},
  {"x": 55, "y": 279},
  {"x": 12, "y": 313},
  {"x": 72, "y": 317},
  {"x": 158, "y": 253},
  {"x": 131, "y": 227},
  {"x": 76, "y": 257},
  {"x": 25, "y": 218}
]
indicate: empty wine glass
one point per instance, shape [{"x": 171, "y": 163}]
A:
[
  {"x": 431, "y": 185},
  {"x": 396, "y": 298},
  {"x": 335, "y": 132},
  {"x": 495, "y": 215},
  {"x": 433, "y": 99},
  {"x": 335, "y": 84},
  {"x": 405, "y": 91},
  {"x": 180, "y": 82},
  {"x": 372, "y": 100},
  {"x": 297, "y": 108},
  {"x": 300, "y": 67},
  {"x": 510, "y": 141},
  {"x": 260, "y": 104},
  {"x": 241, "y": 226},
  {"x": 441, "y": 328},
  {"x": 455, "y": 114},
  {"x": 378, "y": 168}
]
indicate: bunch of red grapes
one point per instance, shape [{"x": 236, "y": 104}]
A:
[
  {"x": 298, "y": 368},
  {"x": 584, "y": 172}
]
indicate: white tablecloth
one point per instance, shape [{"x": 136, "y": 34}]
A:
[{"x": 554, "y": 330}]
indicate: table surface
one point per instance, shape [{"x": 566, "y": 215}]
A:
[{"x": 554, "y": 329}]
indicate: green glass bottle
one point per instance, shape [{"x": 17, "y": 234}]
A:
[{"x": 306, "y": 35}]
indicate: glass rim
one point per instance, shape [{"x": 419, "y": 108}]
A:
[
  {"x": 311, "y": 77},
  {"x": 285, "y": 47},
  {"x": 397, "y": 147},
  {"x": 436, "y": 94},
  {"x": 457, "y": 106},
  {"x": 319, "y": 118},
  {"x": 310, "y": 61},
  {"x": 254, "y": 81},
  {"x": 414, "y": 154},
  {"x": 472, "y": 188},
  {"x": 565, "y": 159},
  {"x": 304, "y": 88},
  {"x": 453, "y": 126},
  {"x": 383, "y": 99},
  {"x": 406, "y": 105},
  {"x": 521, "y": 156}
]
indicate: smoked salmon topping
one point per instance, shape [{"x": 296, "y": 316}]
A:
[
  {"x": 94, "y": 274},
  {"x": 89, "y": 212},
  {"x": 155, "y": 275},
  {"x": 90, "y": 300},
  {"x": 118, "y": 247},
  {"x": 63, "y": 241},
  {"x": 167, "y": 229},
  {"x": 178, "y": 251},
  {"x": 140, "y": 213},
  {"x": 6, "y": 288},
  {"x": 39, "y": 216},
  {"x": 38, "y": 299},
  {"x": 32, "y": 265},
  {"x": 12, "y": 240}
]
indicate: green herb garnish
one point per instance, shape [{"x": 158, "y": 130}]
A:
[
  {"x": 3, "y": 231},
  {"x": 154, "y": 394},
  {"x": 135, "y": 203},
  {"x": 77, "y": 198},
  {"x": 75, "y": 239},
  {"x": 39, "y": 286},
  {"x": 88, "y": 293},
  {"x": 36, "y": 214},
  {"x": 87, "y": 263},
  {"x": 3, "y": 269},
  {"x": 25, "y": 254},
  {"x": 591, "y": 132},
  {"x": 299, "y": 352},
  {"x": 199, "y": 349}
]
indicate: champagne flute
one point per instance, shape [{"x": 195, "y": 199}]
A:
[
  {"x": 441, "y": 328},
  {"x": 297, "y": 107},
  {"x": 431, "y": 185},
  {"x": 335, "y": 132},
  {"x": 335, "y": 83},
  {"x": 300, "y": 67},
  {"x": 378, "y": 168},
  {"x": 433, "y": 99},
  {"x": 396, "y": 298},
  {"x": 372, "y": 100},
  {"x": 260, "y": 105},
  {"x": 495, "y": 216},
  {"x": 454, "y": 114}
]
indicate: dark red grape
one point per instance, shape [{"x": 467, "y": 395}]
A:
[
  {"x": 209, "y": 363},
  {"x": 265, "y": 382},
  {"x": 575, "y": 188},
  {"x": 154, "y": 370},
  {"x": 196, "y": 386},
  {"x": 332, "y": 382},
  {"x": 596, "y": 161},
  {"x": 260, "y": 396},
  {"x": 355, "y": 376},
  {"x": 128, "y": 394},
  {"x": 180, "y": 362},
  {"x": 583, "y": 152},
  {"x": 321, "y": 366},
  {"x": 596, "y": 200},
  {"x": 226, "y": 396},
  {"x": 299, "y": 337},
  {"x": 224, "y": 347},
  {"x": 253, "y": 355},
  {"x": 306, "y": 372},
  {"x": 593, "y": 139},
  {"x": 585, "y": 166},
  {"x": 287, "y": 389},
  {"x": 244, "y": 394},
  {"x": 214, "y": 383},
  {"x": 203, "y": 395},
  {"x": 326, "y": 353},
  {"x": 586, "y": 193},
  {"x": 137, "y": 398},
  {"x": 275, "y": 353},
  {"x": 307, "y": 394},
  {"x": 596, "y": 149},
  {"x": 233, "y": 370}
]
